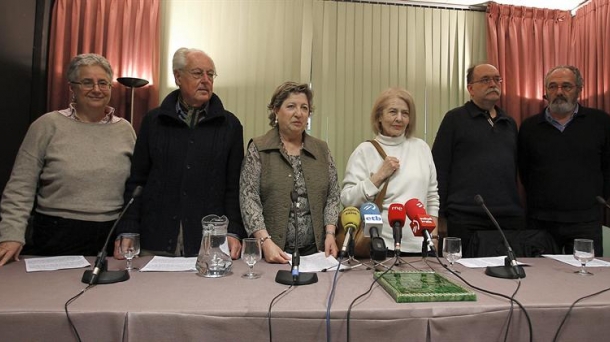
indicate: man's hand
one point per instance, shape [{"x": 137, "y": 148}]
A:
[
  {"x": 9, "y": 250},
  {"x": 234, "y": 247},
  {"x": 117, "y": 250}
]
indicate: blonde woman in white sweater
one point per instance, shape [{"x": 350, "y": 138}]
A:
[{"x": 408, "y": 166}]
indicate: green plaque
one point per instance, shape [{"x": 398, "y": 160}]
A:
[{"x": 414, "y": 286}]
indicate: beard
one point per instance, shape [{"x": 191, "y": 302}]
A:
[{"x": 562, "y": 105}]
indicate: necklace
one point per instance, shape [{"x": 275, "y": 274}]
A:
[{"x": 292, "y": 150}]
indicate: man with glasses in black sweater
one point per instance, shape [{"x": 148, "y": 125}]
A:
[{"x": 475, "y": 153}]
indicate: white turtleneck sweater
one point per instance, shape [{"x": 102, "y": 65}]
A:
[{"x": 416, "y": 178}]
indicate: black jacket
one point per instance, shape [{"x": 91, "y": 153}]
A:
[{"x": 187, "y": 173}]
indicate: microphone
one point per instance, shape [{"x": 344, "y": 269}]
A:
[
  {"x": 350, "y": 219},
  {"x": 371, "y": 217},
  {"x": 421, "y": 223},
  {"x": 510, "y": 270},
  {"x": 372, "y": 222},
  {"x": 396, "y": 217},
  {"x": 100, "y": 273},
  {"x": 294, "y": 277},
  {"x": 296, "y": 257},
  {"x": 602, "y": 201}
]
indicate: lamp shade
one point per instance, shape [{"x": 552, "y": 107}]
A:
[{"x": 132, "y": 82}]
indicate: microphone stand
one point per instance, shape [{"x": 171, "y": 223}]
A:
[
  {"x": 100, "y": 273},
  {"x": 602, "y": 201},
  {"x": 510, "y": 270},
  {"x": 350, "y": 254},
  {"x": 378, "y": 250},
  {"x": 397, "y": 232},
  {"x": 294, "y": 277},
  {"x": 424, "y": 248}
]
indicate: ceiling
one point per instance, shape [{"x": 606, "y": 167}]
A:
[{"x": 567, "y": 5}]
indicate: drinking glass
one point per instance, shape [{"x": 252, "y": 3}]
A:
[
  {"x": 583, "y": 252},
  {"x": 250, "y": 254},
  {"x": 452, "y": 250},
  {"x": 129, "y": 247}
]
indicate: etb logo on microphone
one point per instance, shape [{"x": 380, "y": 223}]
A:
[{"x": 374, "y": 219}]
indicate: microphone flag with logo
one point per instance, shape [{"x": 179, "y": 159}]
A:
[
  {"x": 396, "y": 217},
  {"x": 350, "y": 220},
  {"x": 371, "y": 218}
]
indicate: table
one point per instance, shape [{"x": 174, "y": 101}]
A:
[{"x": 181, "y": 306}]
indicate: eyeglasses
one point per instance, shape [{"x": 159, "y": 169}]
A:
[
  {"x": 393, "y": 113},
  {"x": 89, "y": 85},
  {"x": 198, "y": 74},
  {"x": 553, "y": 87},
  {"x": 487, "y": 80}
]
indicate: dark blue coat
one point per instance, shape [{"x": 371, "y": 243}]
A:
[{"x": 186, "y": 173}]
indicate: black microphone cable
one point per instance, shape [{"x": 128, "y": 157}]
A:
[
  {"x": 99, "y": 261},
  {"x": 510, "y": 312},
  {"x": 349, "y": 310},
  {"x": 72, "y": 326},
  {"x": 565, "y": 318},
  {"x": 269, "y": 311}
]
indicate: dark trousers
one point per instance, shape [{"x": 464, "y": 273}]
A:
[
  {"x": 465, "y": 229},
  {"x": 53, "y": 236},
  {"x": 303, "y": 251},
  {"x": 564, "y": 233}
]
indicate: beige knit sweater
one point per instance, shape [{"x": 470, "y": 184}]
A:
[{"x": 73, "y": 169}]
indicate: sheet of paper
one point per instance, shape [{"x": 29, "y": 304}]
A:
[
  {"x": 317, "y": 262},
  {"x": 55, "y": 263},
  {"x": 170, "y": 264},
  {"x": 484, "y": 262},
  {"x": 173, "y": 264},
  {"x": 569, "y": 259},
  {"x": 225, "y": 247}
]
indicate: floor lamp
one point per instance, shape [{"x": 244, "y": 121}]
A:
[{"x": 132, "y": 82}]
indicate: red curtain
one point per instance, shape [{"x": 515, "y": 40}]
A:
[
  {"x": 524, "y": 43},
  {"x": 591, "y": 52},
  {"x": 126, "y": 32}
]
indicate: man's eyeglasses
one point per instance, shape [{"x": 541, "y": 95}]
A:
[
  {"x": 487, "y": 80},
  {"x": 198, "y": 74},
  {"x": 89, "y": 85},
  {"x": 565, "y": 87}
]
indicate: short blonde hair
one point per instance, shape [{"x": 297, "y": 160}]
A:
[{"x": 381, "y": 103}]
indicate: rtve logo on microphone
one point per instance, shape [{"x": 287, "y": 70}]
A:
[{"x": 427, "y": 220}]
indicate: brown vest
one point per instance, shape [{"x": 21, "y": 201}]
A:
[{"x": 277, "y": 182}]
